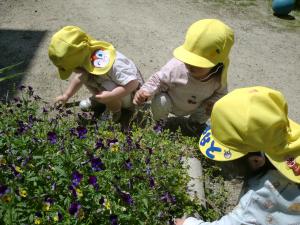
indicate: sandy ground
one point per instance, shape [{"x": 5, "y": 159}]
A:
[{"x": 266, "y": 50}]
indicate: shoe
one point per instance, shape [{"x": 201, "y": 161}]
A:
[
  {"x": 188, "y": 127},
  {"x": 90, "y": 104},
  {"x": 85, "y": 105},
  {"x": 194, "y": 128}
]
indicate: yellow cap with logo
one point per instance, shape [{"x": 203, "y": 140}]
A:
[
  {"x": 71, "y": 48},
  {"x": 254, "y": 119},
  {"x": 207, "y": 43}
]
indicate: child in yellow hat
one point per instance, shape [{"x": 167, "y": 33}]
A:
[
  {"x": 110, "y": 76},
  {"x": 190, "y": 83},
  {"x": 251, "y": 125}
]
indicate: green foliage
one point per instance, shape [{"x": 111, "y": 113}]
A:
[
  {"x": 7, "y": 69},
  {"x": 55, "y": 170}
]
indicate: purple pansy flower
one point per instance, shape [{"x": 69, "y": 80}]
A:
[
  {"x": 151, "y": 182},
  {"x": 93, "y": 181},
  {"x": 52, "y": 137},
  {"x": 167, "y": 197},
  {"x": 97, "y": 164},
  {"x": 60, "y": 216},
  {"x": 73, "y": 190},
  {"x": 128, "y": 164},
  {"x": 73, "y": 131},
  {"x": 76, "y": 178},
  {"x": 81, "y": 132},
  {"x": 74, "y": 208},
  {"x": 111, "y": 141},
  {"x": 99, "y": 143},
  {"x": 113, "y": 219},
  {"x": 126, "y": 197},
  {"x": 22, "y": 127},
  {"x": 158, "y": 127},
  {"x": 3, "y": 190},
  {"x": 129, "y": 140}
]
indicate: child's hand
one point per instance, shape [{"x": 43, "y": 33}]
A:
[
  {"x": 62, "y": 99},
  {"x": 179, "y": 221},
  {"x": 141, "y": 97}
]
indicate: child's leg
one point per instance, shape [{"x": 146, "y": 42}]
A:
[
  {"x": 116, "y": 105},
  {"x": 199, "y": 115},
  {"x": 161, "y": 106},
  {"x": 196, "y": 123}
]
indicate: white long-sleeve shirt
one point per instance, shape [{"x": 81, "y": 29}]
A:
[{"x": 271, "y": 200}]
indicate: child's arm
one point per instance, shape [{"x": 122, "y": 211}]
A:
[
  {"x": 161, "y": 81},
  {"x": 117, "y": 93},
  {"x": 73, "y": 87}
]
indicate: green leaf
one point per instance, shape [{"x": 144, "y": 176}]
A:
[
  {"x": 145, "y": 201},
  {"x": 9, "y": 68}
]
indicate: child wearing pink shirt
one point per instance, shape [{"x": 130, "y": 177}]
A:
[{"x": 190, "y": 83}]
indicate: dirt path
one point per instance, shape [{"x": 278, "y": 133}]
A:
[{"x": 266, "y": 51}]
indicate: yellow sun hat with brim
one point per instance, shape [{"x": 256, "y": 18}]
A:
[
  {"x": 207, "y": 43},
  {"x": 71, "y": 48},
  {"x": 254, "y": 119}
]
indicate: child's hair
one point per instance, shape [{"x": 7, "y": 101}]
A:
[{"x": 240, "y": 168}]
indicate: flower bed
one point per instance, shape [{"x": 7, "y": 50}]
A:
[{"x": 56, "y": 170}]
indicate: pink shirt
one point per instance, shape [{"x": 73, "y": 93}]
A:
[{"x": 186, "y": 92}]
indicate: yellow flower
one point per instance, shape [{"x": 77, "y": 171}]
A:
[
  {"x": 23, "y": 192},
  {"x": 37, "y": 220},
  {"x": 6, "y": 198},
  {"x": 18, "y": 169},
  {"x": 80, "y": 214},
  {"x": 115, "y": 148},
  {"x": 55, "y": 218},
  {"x": 107, "y": 204},
  {"x": 79, "y": 192},
  {"x": 2, "y": 161},
  {"x": 46, "y": 206}
]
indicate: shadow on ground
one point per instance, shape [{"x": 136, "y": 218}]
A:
[{"x": 17, "y": 46}]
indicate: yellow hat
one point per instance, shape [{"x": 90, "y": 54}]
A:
[
  {"x": 71, "y": 47},
  {"x": 207, "y": 43},
  {"x": 254, "y": 119}
]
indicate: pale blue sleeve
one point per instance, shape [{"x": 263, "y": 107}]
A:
[{"x": 239, "y": 215}]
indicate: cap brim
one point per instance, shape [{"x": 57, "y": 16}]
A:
[
  {"x": 64, "y": 74},
  {"x": 212, "y": 149},
  {"x": 192, "y": 59},
  {"x": 280, "y": 160}
]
